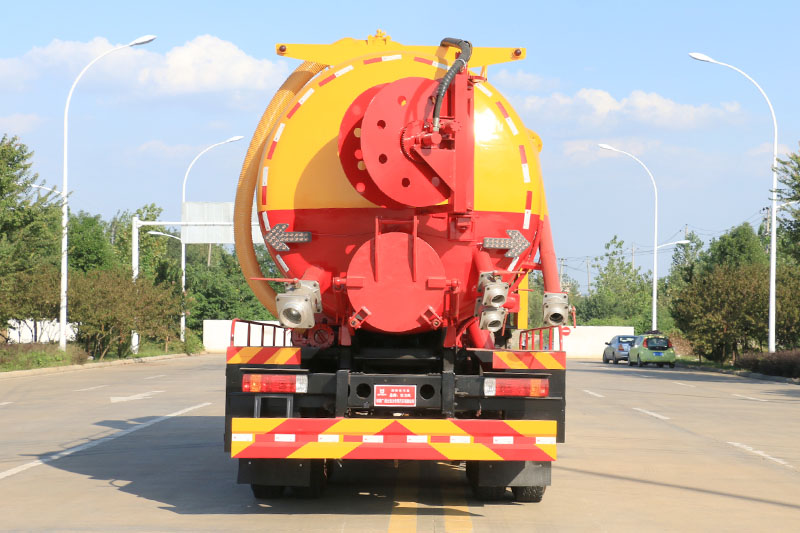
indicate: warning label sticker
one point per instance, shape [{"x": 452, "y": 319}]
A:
[{"x": 395, "y": 395}]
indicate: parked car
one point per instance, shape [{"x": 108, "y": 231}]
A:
[
  {"x": 617, "y": 348},
  {"x": 652, "y": 348}
]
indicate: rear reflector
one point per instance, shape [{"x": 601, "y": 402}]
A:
[
  {"x": 537, "y": 388},
  {"x": 280, "y": 383}
]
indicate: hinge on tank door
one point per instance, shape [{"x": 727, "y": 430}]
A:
[{"x": 461, "y": 227}]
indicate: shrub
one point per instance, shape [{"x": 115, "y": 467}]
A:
[{"x": 786, "y": 364}]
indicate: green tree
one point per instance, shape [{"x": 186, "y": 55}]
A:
[
  {"x": 787, "y": 307},
  {"x": 89, "y": 247},
  {"x": 739, "y": 246},
  {"x": 107, "y": 305},
  {"x": 722, "y": 311},
  {"x": 620, "y": 294},
  {"x": 789, "y": 216},
  {"x": 154, "y": 250},
  {"x": 29, "y": 230}
]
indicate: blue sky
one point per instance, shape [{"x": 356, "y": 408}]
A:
[{"x": 610, "y": 72}]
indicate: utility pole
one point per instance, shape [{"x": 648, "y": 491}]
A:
[
  {"x": 686, "y": 232},
  {"x": 561, "y": 274},
  {"x": 588, "y": 278}
]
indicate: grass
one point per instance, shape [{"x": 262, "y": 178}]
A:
[{"x": 28, "y": 356}]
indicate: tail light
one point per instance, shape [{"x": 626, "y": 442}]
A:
[
  {"x": 280, "y": 383},
  {"x": 669, "y": 344},
  {"x": 645, "y": 343},
  {"x": 621, "y": 348},
  {"x": 536, "y": 388}
]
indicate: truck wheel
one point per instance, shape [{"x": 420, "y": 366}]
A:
[
  {"x": 489, "y": 494},
  {"x": 528, "y": 494},
  {"x": 267, "y": 492}
]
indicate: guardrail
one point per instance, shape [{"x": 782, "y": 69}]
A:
[
  {"x": 278, "y": 333},
  {"x": 548, "y": 338}
]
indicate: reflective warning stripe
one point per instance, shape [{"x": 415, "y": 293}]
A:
[
  {"x": 258, "y": 355},
  {"x": 371, "y": 438},
  {"x": 531, "y": 360}
]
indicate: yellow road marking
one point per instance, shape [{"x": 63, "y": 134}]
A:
[
  {"x": 406, "y": 494},
  {"x": 456, "y": 511}
]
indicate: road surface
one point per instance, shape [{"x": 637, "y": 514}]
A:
[{"x": 139, "y": 448}]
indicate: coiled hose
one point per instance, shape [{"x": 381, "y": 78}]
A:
[
  {"x": 245, "y": 191},
  {"x": 447, "y": 79}
]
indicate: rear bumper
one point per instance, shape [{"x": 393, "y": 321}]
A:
[
  {"x": 393, "y": 438},
  {"x": 650, "y": 358}
]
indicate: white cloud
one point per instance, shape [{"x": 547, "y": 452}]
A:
[
  {"x": 587, "y": 150},
  {"x": 205, "y": 64},
  {"x": 520, "y": 81},
  {"x": 766, "y": 149},
  {"x": 19, "y": 123},
  {"x": 209, "y": 64},
  {"x": 596, "y": 106}
]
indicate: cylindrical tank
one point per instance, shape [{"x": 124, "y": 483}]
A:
[{"x": 381, "y": 220}]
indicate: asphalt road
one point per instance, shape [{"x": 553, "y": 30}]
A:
[{"x": 139, "y": 448}]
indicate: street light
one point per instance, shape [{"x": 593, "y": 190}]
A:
[
  {"x": 655, "y": 227},
  {"x": 183, "y": 244},
  {"x": 163, "y": 234},
  {"x": 62, "y": 320},
  {"x": 664, "y": 245},
  {"x": 774, "y": 214}
]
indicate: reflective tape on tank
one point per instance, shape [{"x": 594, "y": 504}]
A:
[
  {"x": 267, "y": 355},
  {"x": 507, "y": 118},
  {"x": 411, "y": 439},
  {"x": 431, "y": 62},
  {"x": 382, "y": 59},
  {"x": 518, "y": 360}
]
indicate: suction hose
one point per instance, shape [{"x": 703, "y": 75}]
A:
[
  {"x": 245, "y": 191},
  {"x": 447, "y": 79}
]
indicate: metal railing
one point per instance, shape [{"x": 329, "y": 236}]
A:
[
  {"x": 278, "y": 333},
  {"x": 548, "y": 338}
]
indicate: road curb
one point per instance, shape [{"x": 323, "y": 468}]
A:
[
  {"x": 745, "y": 374},
  {"x": 90, "y": 366}
]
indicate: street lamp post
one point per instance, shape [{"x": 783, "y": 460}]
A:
[
  {"x": 62, "y": 320},
  {"x": 183, "y": 243},
  {"x": 774, "y": 211},
  {"x": 655, "y": 228}
]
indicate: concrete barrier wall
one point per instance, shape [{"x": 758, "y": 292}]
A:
[
  {"x": 590, "y": 341},
  {"x": 217, "y": 335},
  {"x": 583, "y": 341}
]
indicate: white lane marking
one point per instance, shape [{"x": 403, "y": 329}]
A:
[
  {"x": 5, "y": 403},
  {"x": 683, "y": 384},
  {"x": 92, "y": 444},
  {"x": 90, "y": 388},
  {"x": 142, "y": 396},
  {"x": 651, "y": 413},
  {"x": 750, "y": 398},
  {"x": 158, "y": 376},
  {"x": 752, "y": 450},
  {"x": 593, "y": 393}
]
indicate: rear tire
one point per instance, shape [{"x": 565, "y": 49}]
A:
[
  {"x": 528, "y": 494},
  {"x": 630, "y": 361},
  {"x": 604, "y": 359},
  {"x": 660, "y": 365},
  {"x": 639, "y": 362},
  {"x": 672, "y": 365},
  {"x": 267, "y": 492}
]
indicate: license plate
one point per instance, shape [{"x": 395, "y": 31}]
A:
[
  {"x": 395, "y": 395},
  {"x": 658, "y": 354}
]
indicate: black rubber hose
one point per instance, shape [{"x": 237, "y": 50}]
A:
[{"x": 447, "y": 79}]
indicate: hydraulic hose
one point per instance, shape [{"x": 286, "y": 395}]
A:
[
  {"x": 447, "y": 79},
  {"x": 245, "y": 191}
]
